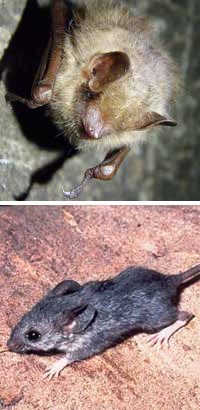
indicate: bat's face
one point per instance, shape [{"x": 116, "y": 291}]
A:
[
  {"x": 97, "y": 103},
  {"x": 106, "y": 102},
  {"x": 106, "y": 98}
]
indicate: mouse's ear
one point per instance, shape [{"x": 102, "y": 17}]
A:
[
  {"x": 82, "y": 316},
  {"x": 65, "y": 287}
]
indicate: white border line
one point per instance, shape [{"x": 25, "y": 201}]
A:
[{"x": 116, "y": 203}]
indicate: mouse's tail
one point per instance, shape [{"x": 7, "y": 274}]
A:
[{"x": 184, "y": 276}]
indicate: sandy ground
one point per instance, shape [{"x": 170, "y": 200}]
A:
[{"x": 42, "y": 245}]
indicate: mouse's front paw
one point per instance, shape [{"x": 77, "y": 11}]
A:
[
  {"x": 51, "y": 371},
  {"x": 55, "y": 369}
]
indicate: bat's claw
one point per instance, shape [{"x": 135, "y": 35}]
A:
[
  {"x": 74, "y": 193},
  {"x": 10, "y": 97}
]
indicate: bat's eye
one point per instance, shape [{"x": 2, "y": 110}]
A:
[
  {"x": 89, "y": 94},
  {"x": 33, "y": 336},
  {"x": 94, "y": 71}
]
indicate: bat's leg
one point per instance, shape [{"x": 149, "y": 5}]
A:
[
  {"x": 164, "y": 335},
  {"x": 43, "y": 84},
  {"x": 104, "y": 171},
  {"x": 108, "y": 168}
]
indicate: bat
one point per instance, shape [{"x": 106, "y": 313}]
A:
[{"x": 105, "y": 82}]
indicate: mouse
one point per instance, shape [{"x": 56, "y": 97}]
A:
[{"x": 85, "y": 320}]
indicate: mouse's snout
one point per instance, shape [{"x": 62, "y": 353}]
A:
[{"x": 15, "y": 345}]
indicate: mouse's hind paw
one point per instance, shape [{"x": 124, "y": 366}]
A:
[
  {"x": 162, "y": 338},
  {"x": 55, "y": 369}
]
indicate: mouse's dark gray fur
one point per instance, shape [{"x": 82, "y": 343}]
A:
[{"x": 86, "y": 320}]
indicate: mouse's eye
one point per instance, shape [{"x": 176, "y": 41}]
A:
[{"x": 33, "y": 335}]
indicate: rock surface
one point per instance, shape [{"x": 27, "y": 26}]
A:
[
  {"x": 41, "y": 246},
  {"x": 34, "y": 162}
]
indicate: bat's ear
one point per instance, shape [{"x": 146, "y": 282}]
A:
[
  {"x": 105, "y": 68},
  {"x": 80, "y": 318},
  {"x": 153, "y": 119},
  {"x": 65, "y": 287}
]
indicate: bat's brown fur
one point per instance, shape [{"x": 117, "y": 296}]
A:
[{"x": 149, "y": 85}]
